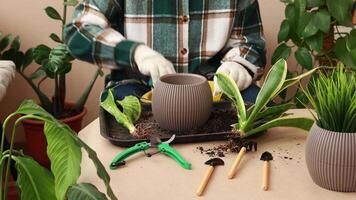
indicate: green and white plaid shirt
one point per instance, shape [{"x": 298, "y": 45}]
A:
[{"x": 186, "y": 32}]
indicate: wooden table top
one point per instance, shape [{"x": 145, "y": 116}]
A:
[{"x": 159, "y": 177}]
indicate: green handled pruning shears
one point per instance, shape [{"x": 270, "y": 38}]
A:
[{"x": 155, "y": 142}]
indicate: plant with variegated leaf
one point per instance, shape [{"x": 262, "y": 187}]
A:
[
  {"x": 262, "y": 116},
  {"x": 64, "y": 150}
]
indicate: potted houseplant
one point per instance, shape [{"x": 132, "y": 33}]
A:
[
  {"x": 311, "y": 31},
  {"x": 65, "y": 152},
  {"x": 330, "y": 147},
  {"x": 54, "y": 64}
]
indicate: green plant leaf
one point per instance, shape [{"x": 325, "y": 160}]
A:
[
  {"x": 341, "y": 10},
  {"x": 55, "y": 38},
  {"x": 58, "y": 60},
  {"x": 28, "y": 58},
  {"x": 71, "y": 2},
  {"x": 65, "y": 165},
  {"x": 283, "y": 31},
  {"x": 84, "y": 191},
  {"x": 315, "y": 3},
  {"x": 273, "y": 83},
  {"x": 292, "y": 81},
  {"x": 16, "y": 43},
  {"x": 19, "y": 59},
  {"x": 296, "y": 122},
  {"x": 41, "y": 53},
  {"x": 303, "y": 21},
  {"x": 351, "y": 39},
  {"x": 131, "y": 107},
  {"x": 304, "y": 58},
  {"x": 315, "y": 42},
  {"x": 281, "y": 52},
  {"x": 53, "y": 13},
  {"x": 34, "y": 181},
  {"x": 276, "y": 110},
  {"x": 110, "y": 106},
  {"x": 311, "y": 28},
  {"x": 229, "y": 88},
  {"x": 342, "y": 52},
  {"x": 322, "y": 20},
  {"x": 292, "y": 15},
  {"x": 100, "y": 169},
  {"x": 5, "y": 41}
]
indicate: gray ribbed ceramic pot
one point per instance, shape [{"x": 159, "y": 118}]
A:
[
  {"x": 181, "y": 101},
  {"x": 331, "y": 159}
]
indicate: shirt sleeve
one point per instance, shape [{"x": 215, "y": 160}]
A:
[
  {"x": 246, "y": 44},
  {"x": 93, "y": 35}
]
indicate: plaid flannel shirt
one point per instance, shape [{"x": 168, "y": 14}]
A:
[{"x": 186, "y": 32}]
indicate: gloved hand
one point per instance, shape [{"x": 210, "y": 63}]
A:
[
  {"x": 152, "y": 63},
  {"x": 7, "y": 73},
  {"x": 237, "y": 72}
]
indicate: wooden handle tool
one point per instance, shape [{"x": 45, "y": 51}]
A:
[
  {"x": 212, "y": 162},
  {"x": 266, "y": 157},
  {"x": 236, "y": 163}
]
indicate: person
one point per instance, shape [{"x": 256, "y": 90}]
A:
[{"x": 142, "y": 40}]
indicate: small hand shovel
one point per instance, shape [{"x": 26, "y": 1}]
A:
[
  {"x": 247, "y": 146},
  {"x": 212, "y": 163},
  {"x": 265, "y": 157}
]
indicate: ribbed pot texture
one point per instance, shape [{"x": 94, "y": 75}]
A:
[
  {"x": 331, "y": 159},
  {"x": 181, "y": 101}
]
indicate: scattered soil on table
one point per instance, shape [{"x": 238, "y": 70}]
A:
[{"x": 233, "y": 145}]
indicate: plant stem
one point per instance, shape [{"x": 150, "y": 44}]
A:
[
  {"x": 83, "y": 99},
  {"x": 44, "y": 100},
  {"x": 12, "y": 141}
]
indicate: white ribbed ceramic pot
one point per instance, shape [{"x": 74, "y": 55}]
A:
[
  {"x": 181, "y": 101},
  {"x": 331, "y": 159}
]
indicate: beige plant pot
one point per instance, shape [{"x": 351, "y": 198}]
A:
[
  {"x": 331, "y": 159},
  {"x": 181, "y": 101}
]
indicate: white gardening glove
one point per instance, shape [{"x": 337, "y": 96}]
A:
[
  {"x": 7, "y": 73},
  {"x": 152, "y": 63},
  {"x": 237, "y": 72}
]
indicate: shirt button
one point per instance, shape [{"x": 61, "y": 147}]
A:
[
  {"x": 185, "y": 18},
  {"x": 183, "y": 51}
]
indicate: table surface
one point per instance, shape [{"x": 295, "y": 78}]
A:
[{"x": 159, "y": 177}]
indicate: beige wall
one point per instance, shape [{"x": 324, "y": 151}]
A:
[{"x": 27, "y": 19}]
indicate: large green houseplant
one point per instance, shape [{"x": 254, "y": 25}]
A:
[
  {"x": 54, "y": 64},
  {"x": 64, "y": 150},
  {"x": 330, "y": 148},
  {"x": 311, "y": 31}
]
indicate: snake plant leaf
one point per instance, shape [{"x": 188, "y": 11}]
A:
[
  {"x": 131, "y": 107},
  {"x": 230, "y": 89},
  {"x": 297, "y": 122},
  {"x": 276, "y": 110},
  {"x": 292, "y": 81},
  {"x": 65, "y": 165},
  {"x": 273, "y": 83},
  {"x": 34, "y": 181},
  {"x": 110, "y": 106},
  {"x": 84, "y": 191}
]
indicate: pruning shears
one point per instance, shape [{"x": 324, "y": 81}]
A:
[{"x": 155, "y": 142}]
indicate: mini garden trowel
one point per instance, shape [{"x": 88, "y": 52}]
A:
[
  {"x": 155, "y": 142},
  {"x": 265, "y": 157},
  {"x": 247, "y": 146}
]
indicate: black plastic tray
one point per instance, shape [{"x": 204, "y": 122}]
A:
[{"x": 120, "y": 136}]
